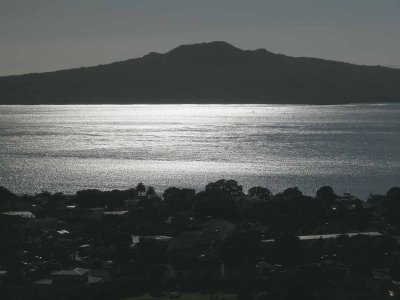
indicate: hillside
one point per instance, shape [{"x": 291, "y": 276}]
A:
[{"x": 215, "y": 72}]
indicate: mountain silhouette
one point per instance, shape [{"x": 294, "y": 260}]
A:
[{"x": 215, "y": 72}]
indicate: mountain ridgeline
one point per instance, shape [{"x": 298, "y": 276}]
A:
[{"x": 215, "y": 72}]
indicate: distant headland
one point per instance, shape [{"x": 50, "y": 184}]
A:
[{"x": 215, "y": 72}]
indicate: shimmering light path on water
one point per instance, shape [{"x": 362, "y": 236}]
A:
[{"x": 354, "y": 148}]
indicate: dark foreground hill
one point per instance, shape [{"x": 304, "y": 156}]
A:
[{"x": 214, "y": 72}]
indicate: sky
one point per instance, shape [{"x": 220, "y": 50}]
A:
[{"x": 47, "y": 35}]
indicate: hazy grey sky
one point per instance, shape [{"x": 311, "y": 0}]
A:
[{"x": 44, "y": 35}]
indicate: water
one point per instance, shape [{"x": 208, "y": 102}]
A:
[{"x": 353, "y": 148}]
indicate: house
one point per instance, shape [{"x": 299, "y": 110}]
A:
[
  {"x": 348, "y": 201},
  {"x": 20, "y": 214},
  {"x": 116, "y": 214},
  {"x": 328, "y": 236},
  {"x": 135, "y": 239},
  {"x": 84, "y": 250},
  {"x": 131, "y": 203},
  {"x": 263, "y": 268},
  {"x": 63, "y": 232},
  {"x": 74, "y": 276},
  {"x": 172, "y": 272},
  {"x": 43, "y": 282},
  {"x": 393, "y": 289},
  {"x": 108, "y": 264},
  {"x": 162, "y": 239},
  {"x": 335, "y": 235},
  {"x": 3, "y": 275},
  {"x": 77, "y": 275},
  {"x": 102, "y": 274},
  {"x": 377, "y": 201}
]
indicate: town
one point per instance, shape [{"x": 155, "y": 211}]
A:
[{"x": 220, "y": 243}]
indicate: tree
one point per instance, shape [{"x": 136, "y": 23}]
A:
[
  {"x": 140, "y": 189},
  {"x": 217, "y": 204},
  {"x": 229, "y": 186},
  {"x": 177, "y": 200},
  {"x": 392, "y": 206},
  {"x": 292, "y": 193},
  {"x": 289, "y": 249},
  {"x": 393, "y": 196},
  {"x": 89, "y": 198},
  {"x": 181, "y": 220},
  {"x": 242, "y": 245},
  {"x": 113, "y": 199},
  {"x": 326, "y": 194},
  {"x": 6, "y": 196},
  {"x": 260, "y": 193},
  {"x": 151, "y": 192}
]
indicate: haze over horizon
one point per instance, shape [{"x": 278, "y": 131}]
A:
[{"x": 44, "y": 35}]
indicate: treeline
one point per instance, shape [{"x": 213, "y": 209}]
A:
[{"x": 289, "y": 210}]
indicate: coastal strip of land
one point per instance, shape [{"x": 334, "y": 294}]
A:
[{"x": 218, "y": 243}]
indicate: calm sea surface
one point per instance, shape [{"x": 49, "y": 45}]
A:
[{"x": 353, "y": 148}]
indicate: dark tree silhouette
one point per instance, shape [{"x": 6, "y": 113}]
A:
[
  {"x": 393, "y": 196},
  {"x": 292, "y": 193},
  {"x": 140, "y": 188},
  {"x": 242, "y": 245},
  {"x": 260, "y": 193},
  {"x": 289, "y": 249},
  {"x": 177, "y": 200},
  {"x": 217, "y": 204},
  {"x": 392, "y": 206},
  {"x": 6, "y": 197},
  {"x": 327, "y": 194},
  {"x": 229, "y": 186},
  {"x": 151, "y": 192},
  {"x": 89, "y": 198},
  {"x": 181, "y": 220}
]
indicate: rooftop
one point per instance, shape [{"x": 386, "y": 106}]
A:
[
  {"x": 74, "y": 272},
  {"x": 23, "y": 214},
  {"x": 330, "y": 236},
  {"x": 115, "y": 213}
]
